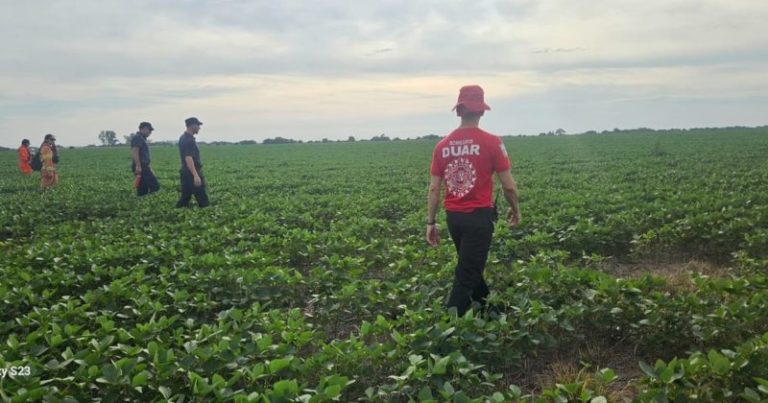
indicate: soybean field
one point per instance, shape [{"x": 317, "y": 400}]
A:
[{"x": 638, "y": 273}]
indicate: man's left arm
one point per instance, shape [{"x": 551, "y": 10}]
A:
[{"x": 502, "y": 166}]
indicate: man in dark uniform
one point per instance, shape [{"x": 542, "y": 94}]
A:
[
  {"x": 146, "y": 182},
  {"x": 192, "y": 180}
]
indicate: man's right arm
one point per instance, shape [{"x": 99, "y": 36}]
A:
[
  {"x": 433, "y": 203},
  {"x": 509, "y": 187},
  {"x": 136, "y": 160},
  {"x": 190, "y": 163}
]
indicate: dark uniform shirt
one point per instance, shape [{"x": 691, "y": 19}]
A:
[
  {"x": 188, "y": 148},
  {"x": 140, "y": 142}
]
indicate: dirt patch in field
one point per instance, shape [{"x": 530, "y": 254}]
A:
[
  {"x": 581, "y": 361},
  {"x": 677, "y": 273},
  {"x": 580, "y": 364}
]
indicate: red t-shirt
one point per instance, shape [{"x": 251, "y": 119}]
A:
[{"x": 467, "y": 160}]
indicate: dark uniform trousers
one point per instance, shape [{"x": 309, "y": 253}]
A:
[
  {"x": 471, "y": 234},
  {"x": 148, "y": 182},
  {"x": 188, "y": 190}
]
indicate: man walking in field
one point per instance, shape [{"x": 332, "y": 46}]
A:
[
  {"x": 465, "y": 161},
  {"x": 146, "y": 182},
  {"x": 192, "y": 180}
]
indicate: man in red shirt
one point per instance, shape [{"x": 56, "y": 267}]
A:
[{"x": 465, "y": 161}]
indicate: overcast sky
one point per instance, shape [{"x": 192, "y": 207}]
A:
[{"x": 334, "y": 69}]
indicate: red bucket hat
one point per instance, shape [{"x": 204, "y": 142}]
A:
[{"x": 473, "y": 99}]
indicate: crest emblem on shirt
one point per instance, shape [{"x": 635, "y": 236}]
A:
[{"x": 460, "y": 177}]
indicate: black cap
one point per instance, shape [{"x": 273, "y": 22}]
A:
[
  {"x": 25, "y": 142},
  {"x": 146, "y": 124},
  {"x": 193, "y": 121},
  {"x": 49, "y": 136}
]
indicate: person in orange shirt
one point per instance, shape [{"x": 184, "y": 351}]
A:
[
  {"x": 49, "y": 156},
  {"x": 24, "y": 157}
]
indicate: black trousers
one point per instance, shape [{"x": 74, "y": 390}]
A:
[
  {"x": 148, "y": 182},
  {"x": 188, "y": 189},
  {"x": 471, "y": 234}
]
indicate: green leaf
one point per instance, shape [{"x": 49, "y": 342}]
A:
[
  {"x": 236, "y": 314},
  {"x": 332, "y": 391},
  {"x": 279, "y": 364},
  {"x": 461, "y": 397},
  {"x": 365, "y": 328},
  {"x": 67, "y": 354},
  {"x": 140, "y": 379},
  {"x": 719, "y": 362},
  {"x": 56, "y": 339},
  {"x": 152, "y": 348},
  {"x": 751, "y": 396},
  {"x": 381, "y": 322},
  {"x": 12, "y": 342},
  {"x": 425, "y": 393},
  {"x": 441, "y": 365},
  {"x": 498, "y": 397},
  {"x": 200, "y": 386},
  {"x": 648, "y": 370},
  {"x": 762, "y": 385},
  {"x": 666, "y": 374},
  {"x": 218, "y": 381},
  {"x": 607, "y": 375},
  {"x": 70, "y": 330},
  {"x": 165, "y": 391},
  {"x": 110, "y": 373},
  {"x": 108, "y": 325},
  {"x": 286, "y": 389},
  {"x": 257, "y": 371},
  {"x": 264, "y": 342},
  {"x": 590, "y": 294},
  {"x": 448, "y": 332},
  {"x": 415, "y": 359}
]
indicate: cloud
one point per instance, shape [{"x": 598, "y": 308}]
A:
[
  {"x": 379, "y": 51},
  {"x": 82, "y": 39},
  {"x": 295, "y": 63},
  {"x": 557, "y": 50}
]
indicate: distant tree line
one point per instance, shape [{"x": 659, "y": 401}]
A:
[
  {"x": 647, "y": 130},
  {"x": 109, "y": 138}
]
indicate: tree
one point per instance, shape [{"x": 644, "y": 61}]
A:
[
  {"x": 381, "y": 137},
  {"x": 560, "y": 132},
  {"x": 108, "y": 138},
  {"x": 351, "y": 139},
  {"x": 127, "y": 137},
  {"x": 279, "y": 140}
]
